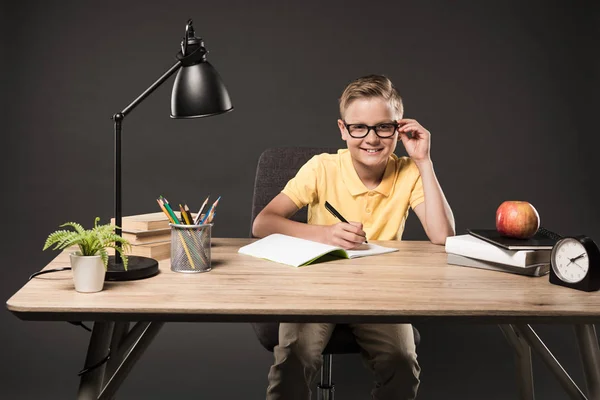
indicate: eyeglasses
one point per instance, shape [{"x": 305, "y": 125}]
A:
[{"x": 384, "y": 130}]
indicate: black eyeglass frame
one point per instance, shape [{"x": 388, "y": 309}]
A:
[{"x": 374, "y": 128}]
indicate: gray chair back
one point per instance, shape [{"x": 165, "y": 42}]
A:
[{"x": 276, "y": 166}]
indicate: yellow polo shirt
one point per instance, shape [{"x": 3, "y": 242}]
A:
[{"x": 332, "y": 177}]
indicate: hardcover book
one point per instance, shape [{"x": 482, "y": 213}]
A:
[
  {"x": 135, "y": 239},
  {"x": 470, "y": 246},
  {"x": 146, "y": 224},
  {"x": 533, "y": 270},
  {"x": 542, "y": 240},
  {"x": 158, "y": 250}
]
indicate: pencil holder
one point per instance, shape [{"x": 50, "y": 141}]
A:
[{"x": 190, "y": 248}]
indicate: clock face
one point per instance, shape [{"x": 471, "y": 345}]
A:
[{"x": 570, "y": 260}]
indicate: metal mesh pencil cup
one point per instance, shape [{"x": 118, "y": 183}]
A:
[{"x": 190, "y": 248}]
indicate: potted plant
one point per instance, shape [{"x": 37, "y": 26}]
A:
[{"x": 89, "y": 264}]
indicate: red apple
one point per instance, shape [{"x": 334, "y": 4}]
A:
[{"x": 518, "y": 219}]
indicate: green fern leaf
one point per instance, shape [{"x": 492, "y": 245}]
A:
[
  {"x": 78, "y": 228},
  {"x": 55, "y": 237},
  {"x": 122, "y": 253},
  {"x": 104, "y": 256},
  {"x": 66, "y": 238}
]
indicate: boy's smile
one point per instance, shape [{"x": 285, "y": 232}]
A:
[{"x": 369, "y": 154}]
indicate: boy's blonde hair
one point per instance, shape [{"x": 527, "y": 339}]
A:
[{"x": 372, "y": 86}]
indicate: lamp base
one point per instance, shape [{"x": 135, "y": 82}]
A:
[{"x": 137, "y": 268}]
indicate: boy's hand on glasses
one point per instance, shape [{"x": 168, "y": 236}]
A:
[
  {"x": 345, "y": 235},
  {"x": 418, "y": 144}
]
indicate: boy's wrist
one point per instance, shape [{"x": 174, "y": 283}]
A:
[
  {"x": 424, "y": 163},
  {"x": 324, "y": 234}
]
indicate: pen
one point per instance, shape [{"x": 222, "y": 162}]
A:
[{"x": 336, "y": 214}]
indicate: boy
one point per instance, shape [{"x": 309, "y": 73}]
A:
[{"x": 373, "y": 189}]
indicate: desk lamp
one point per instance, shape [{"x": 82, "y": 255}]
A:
[{"x": 198, "y": 91}]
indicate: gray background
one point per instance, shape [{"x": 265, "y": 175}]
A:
[{"x": 505, "y": 88}]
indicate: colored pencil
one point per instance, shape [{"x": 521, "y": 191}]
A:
[
  {"x": 170, "y": 217},
  {"x": 197, "y": 219},
  {"x": 162, "y": 207},
  {"x": 170, "y": 210},
  {"x": 189, "y": 214},
  {"x": 210, "y": 210},
  {"x": 184, "y": 215},
  {"x": 210, "y": 219}
]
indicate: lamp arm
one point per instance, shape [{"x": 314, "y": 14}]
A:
[
  {"x": 118, "y": 118},
  {"x": 152, "y": 88}
]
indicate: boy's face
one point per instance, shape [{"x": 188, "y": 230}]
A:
[{"x": 371, "y": 150}]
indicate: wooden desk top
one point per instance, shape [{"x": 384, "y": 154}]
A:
[{"x": 412, "y": 285}]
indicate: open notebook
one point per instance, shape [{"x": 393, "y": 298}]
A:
[{"x": 298, "y": 252}]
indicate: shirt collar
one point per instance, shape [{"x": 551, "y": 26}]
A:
[{"x": 353, "y": 182}]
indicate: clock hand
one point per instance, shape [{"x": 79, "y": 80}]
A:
[
  {"x": 574, "y": 258},
  {"x": 580, "y": 267}
]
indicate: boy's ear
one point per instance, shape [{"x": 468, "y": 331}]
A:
[{"x": 342, "y": 128}]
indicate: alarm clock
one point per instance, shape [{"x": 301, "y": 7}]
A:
[{"x": 575, "y": 262}]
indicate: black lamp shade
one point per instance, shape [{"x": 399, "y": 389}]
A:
[{"x": 198, "y": 91}]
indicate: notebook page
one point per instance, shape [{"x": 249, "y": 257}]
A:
[
  {"x": 371, "y": 251},
  {"x": 286, "y": 249}
]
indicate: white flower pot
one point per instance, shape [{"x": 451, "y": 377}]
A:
[{"x": 88, "y": 273}]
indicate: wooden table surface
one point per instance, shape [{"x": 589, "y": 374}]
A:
[{"x": 411, "y": 285}]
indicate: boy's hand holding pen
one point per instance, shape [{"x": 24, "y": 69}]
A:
[{"x": 348, "y": 235}]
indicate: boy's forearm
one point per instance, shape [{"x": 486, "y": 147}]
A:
[
  {"x": 267, "y": 224},
  {"x": 438, "y": 214}
]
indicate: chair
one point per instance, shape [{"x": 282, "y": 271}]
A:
[{"x": 276, "y": 166}]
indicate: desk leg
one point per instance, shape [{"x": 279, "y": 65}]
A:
[
  {"x": 132, "y": 348},
  {"x": 522, "y": 361},
  {"x": 102, "y": 383},
  {"x": 527, "y": 333},
  {"x": 117, "y": 342},
  {"x": 90, "y": 384},
  {"x": 590, "y": 357}
]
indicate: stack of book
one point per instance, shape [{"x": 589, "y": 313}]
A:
[
  {"x": 487, "y": 249},
  {"x": 149, "y": 234}
]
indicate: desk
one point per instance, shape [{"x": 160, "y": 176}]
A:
[{"x": 412, "y": 285}]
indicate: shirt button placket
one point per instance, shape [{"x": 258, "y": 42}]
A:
[
  {"x": 366, "y": 215},
  {"x": 369, "y": 208}
]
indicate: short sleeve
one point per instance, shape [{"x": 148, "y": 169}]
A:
[
  {"x": 302, "y": 188},
  {"x": 417, "y": 196}
]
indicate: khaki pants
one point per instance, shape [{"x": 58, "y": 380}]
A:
[{"x": 388, "y": 349}]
